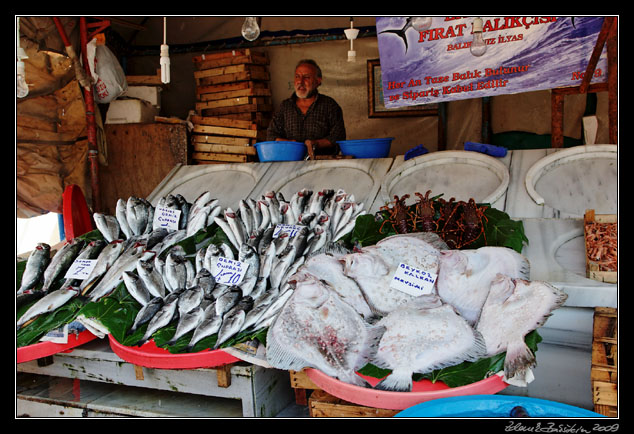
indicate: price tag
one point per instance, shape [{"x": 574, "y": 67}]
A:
[
  {"x": 228, "y": 271},
  {"x": 167, "y": 218},
  {"x": 413, "y": 281},
  {"x": 291, "y": 230},
  {"x": 80, "y": 269}
]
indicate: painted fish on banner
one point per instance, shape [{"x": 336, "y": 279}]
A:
[{"x": 523, "y": 54}]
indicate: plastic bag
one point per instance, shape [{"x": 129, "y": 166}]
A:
[{"x": 109, "y": 78}]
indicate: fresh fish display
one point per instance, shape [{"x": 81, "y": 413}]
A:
[
  {"x": 513, "y": 308},
  {"x": 138, "y": 214},
  {"x": 233, "y": 320},
  {"x": 108, "y": 226},
  {"x": 89, "y": 251},
  {"x": 121, "y": 215},
  {"x": 109, "y": 254},
  {"x": 61, "y": 262},
  {"x": 175, "y": 273},
  {"x": 373, "y": 268},
  {"x": 151, "y": 276},
  {"x": 315, "y": 328},
  {"x": 422, "y": 340},
  {"x": 209, "y": 326},
  {"x": 248, "y": 255},
  {"x": 37, "y": 262},
  {"x": 189, "y": 299},
  {"x": 48, "y": 303},
  {"x": 465, "y": 276}
]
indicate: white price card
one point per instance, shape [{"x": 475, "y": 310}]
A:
[
  {"x": 167, "y": 218},
  {"x": 80, "y": 269},
  {"x": 228, "y": 271},
  {"x": 413, "y": 281},
  {"x": 290, "y": 230}
]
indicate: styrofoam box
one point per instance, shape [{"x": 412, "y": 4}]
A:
[
  {"x": 130, "y": 111},
  {"x": 151, "y": 94}
]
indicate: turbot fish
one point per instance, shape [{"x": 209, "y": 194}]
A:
[
  {"x": 465, "y": 276},
  {"x": 373, "y": 268},
  {"x": 422, "y": 340},
  {"x": 315, "y": 328},
  {"x": 513, "y": 308}
]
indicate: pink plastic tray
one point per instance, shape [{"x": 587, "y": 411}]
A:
[
  {"x": 151, "y": 356},
  {"x": 422, "y": 391},
  {"x": 44, "y": 349}
]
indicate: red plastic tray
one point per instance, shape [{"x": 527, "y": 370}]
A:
[
  {"x": 44, "y": 349},
  {"x": 151, "y": 356},
  {"x": 77, "y": 217},
  {"x": 422, "y": 391}
]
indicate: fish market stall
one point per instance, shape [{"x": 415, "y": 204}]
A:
[{"x": 563, "y": 358}]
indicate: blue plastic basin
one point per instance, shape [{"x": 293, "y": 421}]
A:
[
  {"x": 493, "y": 406},
  {"x": 366, "y": 148},
  {"x": 280, "y": 151}
]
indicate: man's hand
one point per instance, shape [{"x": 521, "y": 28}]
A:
[{"x": 310, "y": 147}]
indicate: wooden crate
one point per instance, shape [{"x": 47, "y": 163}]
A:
[
  {"x": 322, "y": 404},
  {"x": 604, "y": 371},
  {"x": 593, "y": 270},
  {"x": 233, "y": 106}
]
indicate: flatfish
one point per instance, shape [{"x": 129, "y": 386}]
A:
[
  {"x": 422, "y": 340},
  {"x": 315, "y": 328},
  {"x": 513, "y": 308},
  {"x": 373, "y": 268},
  {"x": 465, "y": 276}
]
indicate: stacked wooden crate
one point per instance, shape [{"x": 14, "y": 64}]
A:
[
  {"x": 604, "y": 371},
  {"x": 233, "y": 106}
]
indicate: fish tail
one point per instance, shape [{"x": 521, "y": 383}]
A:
[
  {"x": 518, "y": 359},
  {"x": 400, "y": 380}
]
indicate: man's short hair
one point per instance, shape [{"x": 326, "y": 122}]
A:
[{"x": 310, "y": 62}]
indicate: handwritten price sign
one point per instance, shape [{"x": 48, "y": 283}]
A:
[
  {"x": 166, "y": 218},
  {"x": 289, "y": 230},
  {"x": 228, "y": 271},
  {"x": 80, "y": 269},
  {"x": 413, "y": 281}
]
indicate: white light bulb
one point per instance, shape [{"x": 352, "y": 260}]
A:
[
  {"x": 478, "y": 45},
  {"x": 165, "y": 64},
  {"x": 421, "y": 23},
  {"x": 250, "y": 29}
]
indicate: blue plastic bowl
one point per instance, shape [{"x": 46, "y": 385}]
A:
[
  {"x": 280, "y": 151},
  {"x": 366, "y": 148},
  {"x": 493, "y": 406}
]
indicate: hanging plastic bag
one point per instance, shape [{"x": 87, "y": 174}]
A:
[{"x": 108, "y": 76}]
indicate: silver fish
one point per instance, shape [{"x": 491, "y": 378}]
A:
[
  {"x": 260, "y": 288},
  {"x": 465, "y": 276},
  {"x": 146, "y": 313},
  {"x": 329, "y": 268},
  {"x": 175, "y": 273},
  {"x": 155, "y": 237},
  {"x": 246, "y": 216},
  {"x": 163, "y": 317},
  {"x": 264, "y": 210},
  {"x": 209, "y": 326},
  {"x": 61, "y": 262},
  {"x": 137, "y": 214},
  {"x": 232, "y": 321},
  {"x": 260, "y": 305},
  {"x": 513, "y": 308},
  {"x": 114, "y": 276},
  {"x": 273, "y": 309},
  {"x": 227, "y": 252},
  {"x": 151, "y": 277},
  {"x": 248, "y": 255},
  {"x": 267, "y": 257},
  {"x": 108, "y": 225},
  {"x": 316, "y": 204},
  {"x": 256, "y": 214},
  {"x": 205, "y": 280},
  {"x": 169, "y": 241},
  {"x": 37, "y": 262},
  {"x": 203, "y": 200},
  {"x": 228, "y": 300},
  {"x": 315, "y": 328},
  {"x": 321, "y": 236},
  {"x": 237, "y": 226},
  {"x": 48, "y": 303},
  {"x": 106, "y": 258},
  {"x": 274, "y": 208},
  {"x": 189, "y": 299},
  {"x": 373, "y": 268},
  {"x": 187, "y": 322},
  {"x": 89, "y": 251},
  {"x": 198, "y": 221},
  {"x": 212, "y": 253},
  {"x": 422, "y": 340},
  {"x": 121, "y": 215},
  {"x": 222, "y": 223},
  {"x": 284, "y": 261},
  {"x": 136, "y": 288}
]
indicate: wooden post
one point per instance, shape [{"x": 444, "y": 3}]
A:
[{"x": 557, "y": 119}]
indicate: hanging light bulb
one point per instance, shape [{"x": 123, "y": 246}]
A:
[
  {"x": 421, "y": 24},
  {"x": 21, "y": 88},
  {"x": 250, "y": 29},
  {"x": 165, "y": 56},
  {"x": 351, "y": 34},
  {"x": 478, "y": 45}
]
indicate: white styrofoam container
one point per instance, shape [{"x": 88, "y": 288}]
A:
[
  {"x": 129, "y": 111},
  {"x": 151, "y": 94}
]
